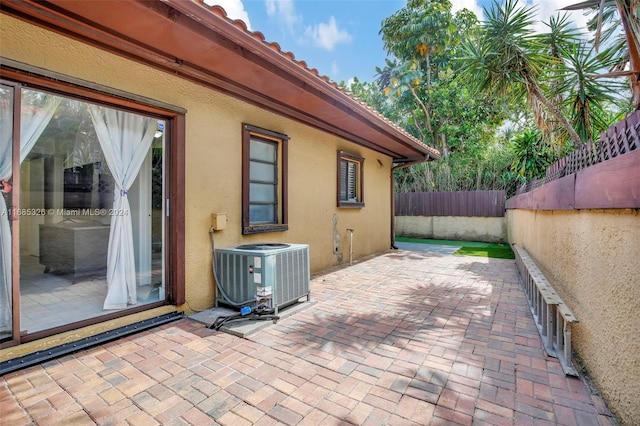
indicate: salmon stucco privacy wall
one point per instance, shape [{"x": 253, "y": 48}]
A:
[
  {"x": 591, "y": 259},
  {"x": 213, "y": 159}
]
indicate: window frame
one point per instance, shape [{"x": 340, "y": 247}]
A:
[
  {"x": 359, "y": 162},
  {"x": 250, "y": 132}
]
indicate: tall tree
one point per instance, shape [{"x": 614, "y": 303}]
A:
[
  {"x": 423, "y": 38},
  {"x": 573, "y": 79},
  {"x": 508, "y": 58},
  {"x": 417, "y": 35},
  {"x": 628, "y": 52},
  {"x": 586, "y": 98},
  {"x": 562, "y": 34},
  {"x": 419, "y": 80}
]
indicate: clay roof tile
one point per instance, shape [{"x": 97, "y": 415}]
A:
[{"x": 219, "y": 11}]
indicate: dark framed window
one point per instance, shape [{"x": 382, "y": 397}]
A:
[
  {"x": 264, "y": 180},
  {"x": 350, "y": 180}
]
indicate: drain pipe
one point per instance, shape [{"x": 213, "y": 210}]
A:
[
  {"x": 393, "y": 195},
  {"x": 350, "y": 245}
]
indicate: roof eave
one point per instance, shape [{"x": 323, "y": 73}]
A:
[
  {"x": 286, "y": 61},
  {"x": 341, "y": 113}
]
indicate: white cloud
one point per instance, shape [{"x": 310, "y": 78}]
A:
[
  {"x": 284, "y": 11},
  {"x": 547, "y": 8},
  {"x": 323, "y": 35},
  {"x": 544, "y": 9},
  {"x": 471, "y": 5},
  {"x": 350, "y": 83},
  {"x": 234, "y": 8},
  {"x": 334, "y": 68},
  {"x": 327, "y": 35}
]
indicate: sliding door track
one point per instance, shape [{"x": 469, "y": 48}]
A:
[{"x": 67, "y": 348}]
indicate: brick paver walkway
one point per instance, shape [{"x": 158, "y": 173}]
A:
[{"x": 403, "y": 338}]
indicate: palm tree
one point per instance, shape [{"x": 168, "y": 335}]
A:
[
  {"x": 573, "y": 81},
  {"x": 507, "y": 58},
  {"x": 587, "y": 98},
  {"x": 562, "y": 34},
  {"x": 628, "y": 17}
]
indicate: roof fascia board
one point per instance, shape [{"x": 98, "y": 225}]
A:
[{"x": 297, "y": 69}]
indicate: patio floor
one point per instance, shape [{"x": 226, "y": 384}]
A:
[{"x": 398, "y": 339}]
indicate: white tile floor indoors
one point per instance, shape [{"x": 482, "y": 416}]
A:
[{"x": 49, "y": 300}]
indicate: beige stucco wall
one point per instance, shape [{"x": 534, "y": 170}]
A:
[
  {"x": 213, "y": 159},
  {"x": 463, "y": 228},
  {"x": 591, "y": 258}
]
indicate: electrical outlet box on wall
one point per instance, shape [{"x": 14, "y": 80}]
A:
[{"x": 218, "y": 221}]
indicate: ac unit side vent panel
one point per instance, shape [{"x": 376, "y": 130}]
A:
[
  {"x": 285, "y": 270},
  {"x": 230, "y": 268}
]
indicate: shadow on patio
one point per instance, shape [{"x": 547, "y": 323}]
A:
[{"x": 400, "y": 338}]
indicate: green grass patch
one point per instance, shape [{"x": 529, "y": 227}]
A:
[
  {"x": 451, "y": 242},
  {"x": 468, "y": 248},
  {"x": 495, "y": 253}
]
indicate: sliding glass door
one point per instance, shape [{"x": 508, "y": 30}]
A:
[{"x": 90, "y": 210}]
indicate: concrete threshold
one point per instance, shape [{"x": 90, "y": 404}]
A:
[{"x": 246, "y": 327}]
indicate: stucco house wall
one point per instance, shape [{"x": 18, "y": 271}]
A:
[{"x": 213, "y": 159}]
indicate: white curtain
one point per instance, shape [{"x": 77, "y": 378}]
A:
[
  {"x": 33, "y": 120},
  {"x": 125, "y": 139}
]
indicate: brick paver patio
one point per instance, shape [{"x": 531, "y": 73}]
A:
[{"x": 398, "y": 339}]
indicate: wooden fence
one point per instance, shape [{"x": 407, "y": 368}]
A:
[
  {"x": 463, "y": 203},
  {"x": 619, "y": 139}
]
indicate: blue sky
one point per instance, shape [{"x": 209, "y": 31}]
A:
[{"x": 341, "y": 38}]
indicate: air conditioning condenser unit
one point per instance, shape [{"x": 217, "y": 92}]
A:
[{"x": 279, "y": 272}]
